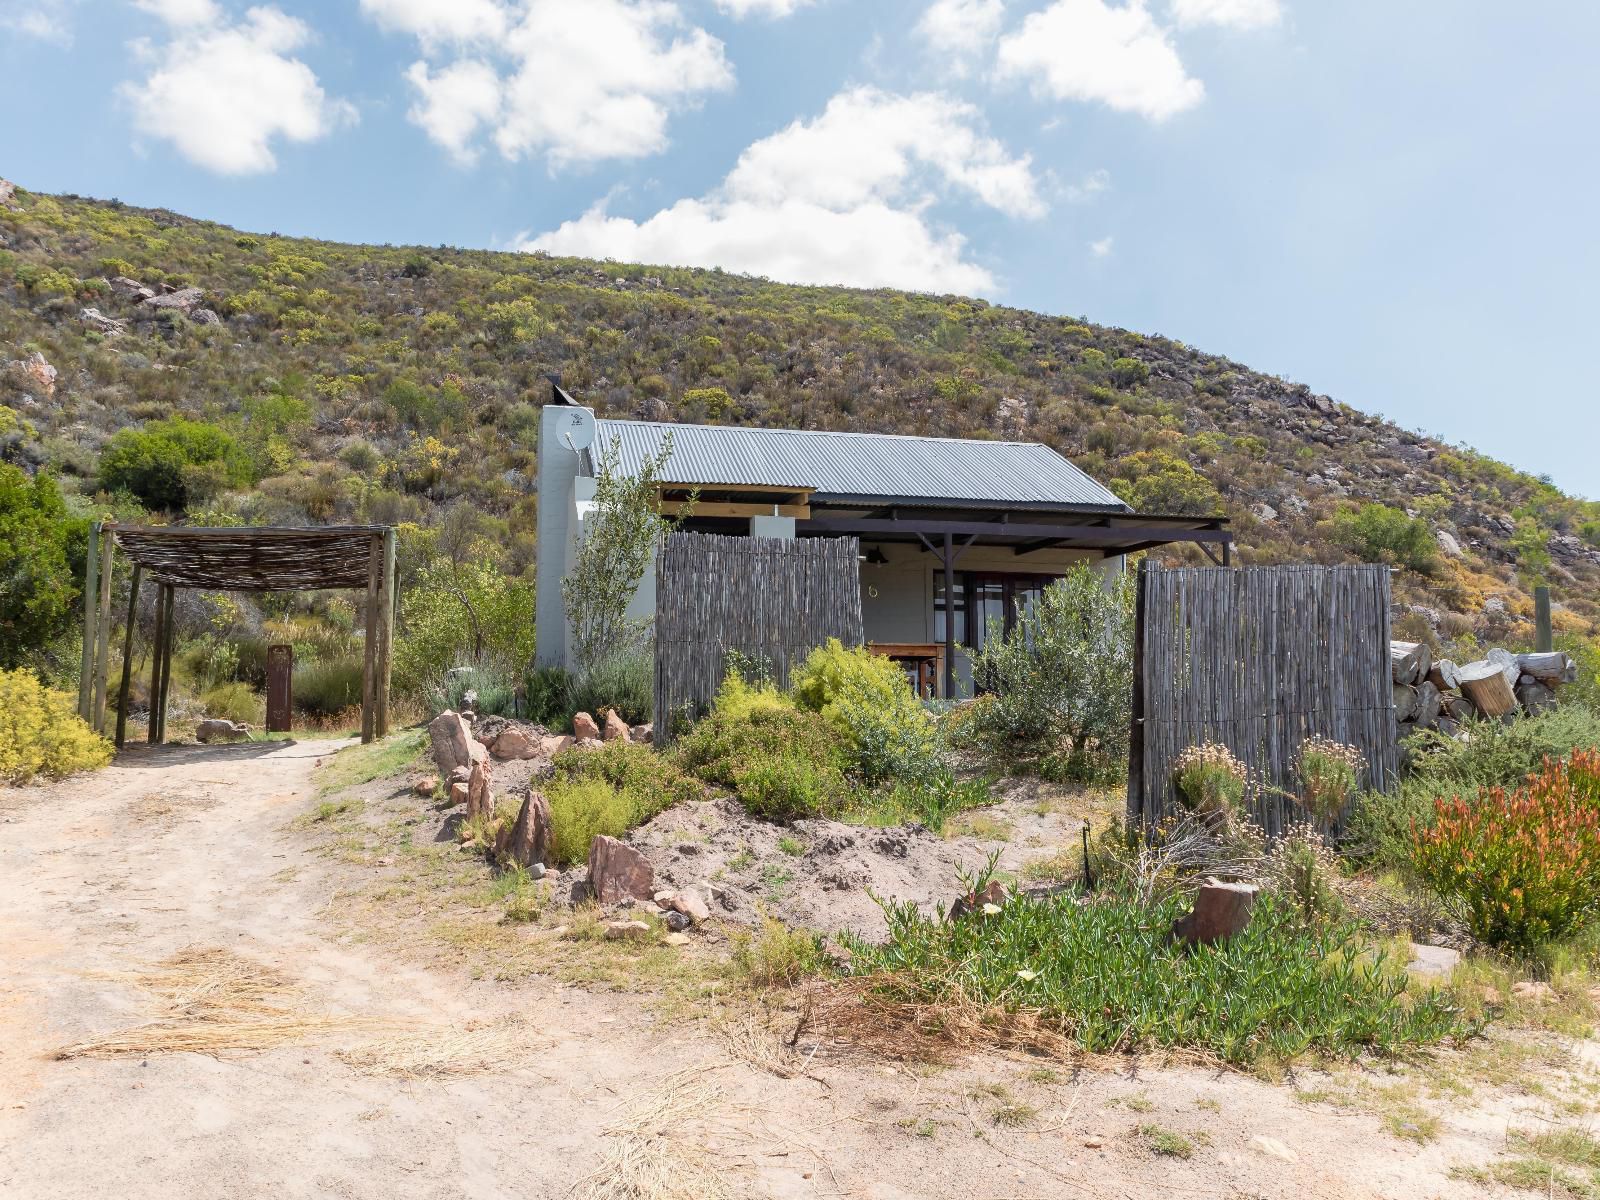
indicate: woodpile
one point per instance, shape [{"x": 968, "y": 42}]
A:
[{"x": 1432, "y": 693}]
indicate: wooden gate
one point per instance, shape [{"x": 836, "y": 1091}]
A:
[
  {"x": 771, "y": 599},
  {"x": 1259, "y": 659}
]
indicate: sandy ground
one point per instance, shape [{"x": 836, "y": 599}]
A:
[{"x": 194, "y": 847}]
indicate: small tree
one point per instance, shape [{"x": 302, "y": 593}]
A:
[
  {"x": 41, "y": 553},
  {"x": 1377, "y": 533},
  {"x": 618, "y": 541}
]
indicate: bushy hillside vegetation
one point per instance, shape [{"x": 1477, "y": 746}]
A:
[{"x": 314, "y": 382}]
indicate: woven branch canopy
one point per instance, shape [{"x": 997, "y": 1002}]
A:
[{"x": 253, "y": 559}]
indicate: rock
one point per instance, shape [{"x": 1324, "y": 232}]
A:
[
  {"x": 553, "y": 746},
  {"x": 664, "y": 899},
  {"x": 618, "y": 871},
  {"x": 690, "y": 903},
  {"x": 182, "y": 300},
  {"x": 205, "y": 316},
  {"x": 1265, "y": 513},
  {"x": 37, "y": 371},
  {"x": 584, "y": 729},
  {"x": 514, "y": 742},
  {"x": 1094, "y": 1141},
  {"x": 529, "y": 843},
  {"x": 1534, "y": 991},
  {"x": 1433, "y": 960},
  {"x": 458, "y": 794},
  {"x": 217, "y": 730},
  {"x": 992, "y": 893},
  {"x": 453, "y": 743},
  {"x": 132, "y": 288},
  {"x": 100, "y": 323},
  {"x": 678, "y": 922},
  {"x": 1448, "y": 546},
  {"x": 676, "y": 939},
  {"x": 480, "y": 799},
  {"x": 588, "y": 744},
  {"x": 643, "y": 733},
  {"x": 1273, "y": 1148},
  {"x": 616, "y": 729},
  {"x": 426, "y": 786},
  {"x": 8, "y": 194},
  {"x": 1221, "y": 910},
  {"x": 627, "y": 931}
]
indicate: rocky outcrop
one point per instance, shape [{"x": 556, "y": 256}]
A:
[
  {"x": 183, "y": 300},
  {"x": 35, "y": 371},
  {"x": 96, "y": 320}
]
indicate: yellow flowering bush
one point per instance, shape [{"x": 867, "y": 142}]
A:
[{"x": 41, "y": 734}]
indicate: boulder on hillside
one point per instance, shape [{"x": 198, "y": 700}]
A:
[
  {"x": 616, "y": 729},
  {"x": 131, "y": 288},
  {"x": 515, "y": 742},
  {"x": 35, "y": 372},
  {"x": 617, "y": 871},
  {"x": 453, "y": 743},
  {"x": 184, "y": 300},
  {"x": 8, "y": 194},
  {"x": 584, "y": 729},
  {"x": 218, "y": 730},
  {"x": 205, "y": 316},
  {"x": 96, "y": 320}
]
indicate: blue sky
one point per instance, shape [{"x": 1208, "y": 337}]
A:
[{"x": 1392, "y": 202}]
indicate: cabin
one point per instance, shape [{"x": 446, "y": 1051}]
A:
[{"x": 957, "y": 536}]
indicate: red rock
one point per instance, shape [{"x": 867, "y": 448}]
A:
[
  {"x": 426, "y": 786},
  {"x": 617, "y": 870},
  {"x": 514, "y": 742},
  {"x": 616, "y": 729},
  {"x": 529, "y": 841},
  {"x": 584, "y": 729},
  {"x": 480, "y": 799},
  {"x": 1221, "y": 910},
  {"x": 555, "y": 745}
]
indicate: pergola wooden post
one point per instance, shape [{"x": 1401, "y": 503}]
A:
[{"x": 237, "y": 560}]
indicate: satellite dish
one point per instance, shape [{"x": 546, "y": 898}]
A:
[{"x": 578, "y": 428}]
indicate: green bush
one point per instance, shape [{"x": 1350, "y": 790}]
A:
[
  {"x": 782, "y": 763},
  {"x": 165, "y": 461},
  {"x": 548, "y": 692},
  {"x": 495, "y": 693},
  {"x": 624, "y": 681},
  {"x": 867, "y": 699},
  {"x": 41, "y": 555},
  {"x": 1155, "y": 481},
  {"x": 1522, "y": 866},
  {"x": 653, "y": 779},
  {"x": 1380, "y": 534},
  {"x": 233, "y": 702},
  {"x": 580, "y": 811},
  {"x": 1060, "y": 684},
  {"x": 1107, "y": 976},
  {"x": 327, "y": 688},
  {"x": 41, "y": 734},
  {"x": 467, "y": 614}
]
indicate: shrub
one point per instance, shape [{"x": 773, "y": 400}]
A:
[
  {"x": 1106, "y": 976},
  {"x": 1380, "y": 534},
  {"x": 41, "y": 548},
  {"x": 1328, "y": 772},
  {"x": 548, "y": 691},
  {"x": 1300, "y": 867},
  {"x": 41, "y": 733},
  {"x": 867, "y": 699},
  {"x": 655, "y": 781},
  {"x": 781, "y": 762},
  {"x": 494, "y": 693},
  {"x": 1156, "y": 481},
  {"x": 1210, "y": 781},
  {"x": 581, "y": 810},
  {"x": 623, "y": 680},
  {"x": 1520, "y": 867},
  {"x": 328, "y": 687},
  {"x": 1062, "y": 680},
  {"x": 738, "y": 700},
  {"x": 162, "y": 462},
  {"x": 233, "y": 702},
  {"x": 778, "y": 956},
  {"x": 467, "y": 614}
]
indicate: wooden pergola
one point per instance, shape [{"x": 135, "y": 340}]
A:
[{"x": 259, "y": 559}]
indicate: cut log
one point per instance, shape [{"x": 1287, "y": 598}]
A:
[
  {"x": 1430, "y": 704},
  {"x": 1485, "y": 684},
  {"x": 1405, "y": 702},
  {"x": 1507, "y": 662},
  {"x": 1443, "y": 675},
  {"x": 1552, "y": 667},
  {"x": 1534, "y": 696},
  {"x": 1221, "y": 910},
  {"x": 1456, "y": 708},
  {"x": 1408, "y": 661}
]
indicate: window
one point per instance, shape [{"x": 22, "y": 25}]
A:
[{"x": 1001, "y": 600}]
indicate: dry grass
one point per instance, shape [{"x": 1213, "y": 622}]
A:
[
  {"x": 212, "y": 1000},
  {"x": 436, "y": 1054},
  {"x": 653, "y": 1155}
]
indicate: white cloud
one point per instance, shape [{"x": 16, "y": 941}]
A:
[
  {"x": 222, "y": 94},
  {"x": 740, "y": 9},
  {"x": 575, "y": 80},
  {"x": 961, "y": 27},
  {"x": 1231, "y": 14},
  {"x": 1101, "y": 248},
  {"x": 181, "y": 12},
  {"x": 1089, "y": 187},
  {"x": 455, "y": 103},
  {"x": 1090, "y": 50},
  {"x": 436, "y": 21},
  {"x": 47, "y": 20},
  {"x": 842, "y": 199}
]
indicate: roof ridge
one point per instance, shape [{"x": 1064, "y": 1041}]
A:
[{"x": 840, "y": 433}]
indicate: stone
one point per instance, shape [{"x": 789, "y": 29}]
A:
[
  {"x": 37, "y": 371},
  {"x": 664, "y": 899},
  {"x": 676, "y": 939},
  {"x": 217, "y": 730},
  {"x": 617, "y": 870},
  {"x": 453, "y": 743},
  {"x": 529, "y": 842},
  {"x": 1432, "y": 960},
  {"x": 1448, "y": 545},
  {"x": 182, "y": 300},
  {"x": 1221, "y": 910},
  {"x": 458, "y": 793},
  {"x": 426, "y": 786},
  {"x": 1273, "y": 1148},
  {"x": 691, "y": 904},
  {"x": 584, "y": 729},
  {"x": 678, "y": 922},
  {"x": 480, "y": 800},
  {"x": 132, "y": 288},
  {"x": 514, "y": 742},
  {"x": 1535, "y": 991},
  {"x": 992, "y": 893},
  {"x": 8, "y": 193},
  {"x": 100, "y": 323},
  {"x": 205, "y": 316},
  {"x": 645, "y": 734},
  {"x": 1265, "y": 513},
  {"x": 616, "y": 729},
  {"x": 627, "y": 931},
  {"x": 553, "y": 745}
]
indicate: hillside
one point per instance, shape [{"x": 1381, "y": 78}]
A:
[{"x": 389, "y": 384}]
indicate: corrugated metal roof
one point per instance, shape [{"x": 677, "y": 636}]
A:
[{"x": 869, "y": 465}]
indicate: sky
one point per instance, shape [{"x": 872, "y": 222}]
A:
[{"x": 1393, "y": 202}]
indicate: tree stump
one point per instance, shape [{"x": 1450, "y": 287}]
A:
[
  {"x": 1485, "y": 684},
  {"x": 1221, "y": 910}
]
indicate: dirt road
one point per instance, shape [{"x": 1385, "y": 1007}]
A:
[{"x": 189, "y": 847}]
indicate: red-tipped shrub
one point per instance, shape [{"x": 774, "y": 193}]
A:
[{"x": 1522, "y": 868}]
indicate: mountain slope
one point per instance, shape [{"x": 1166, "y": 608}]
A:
[{"x": 392, "y": 383}]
